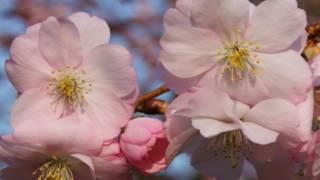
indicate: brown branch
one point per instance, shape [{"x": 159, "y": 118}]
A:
[
  {"x": 153, "y": 106},
  {"x": 150, "y": 95},
  {"x": 313, "y": 30}
]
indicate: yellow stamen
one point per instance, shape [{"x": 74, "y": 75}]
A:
[
  {"x": 237, "y": 59},
  {"x": 55, "y": 169},
  {"x": 231, "y": 145},
  {"x": 69, "y": 87}
]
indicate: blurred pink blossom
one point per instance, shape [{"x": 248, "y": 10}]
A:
[
  {"x": 226, "y": 43},
  {"x": 144, "y": 144}
]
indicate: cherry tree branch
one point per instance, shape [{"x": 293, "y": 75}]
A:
[{"x": 147, "y": 103}]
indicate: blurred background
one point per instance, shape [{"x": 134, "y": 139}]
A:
[{"x": 136, "y": 24}]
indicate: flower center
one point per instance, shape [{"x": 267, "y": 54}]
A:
[
  {"x": 232, "y": 145},
  {"x": 237, "y": 59},
  {"x": 69, "y": 87},
  {"x": 55, "y": 169}
]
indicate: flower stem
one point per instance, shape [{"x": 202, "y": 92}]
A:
[{"x": 149, "y": 96}]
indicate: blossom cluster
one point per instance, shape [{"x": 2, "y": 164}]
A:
[{"x": 244, "y": 94}]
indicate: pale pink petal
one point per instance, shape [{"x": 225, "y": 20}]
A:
[
  {"x": 315, "y": 67},
  {"x": 110, "y": 69},
  {"x": 108, "y": 112},
  {"x": 185, "y": 6},
  {"x": 295, "y": 82},
  {"x": 285, "y": 25},
  {"x": 93, "y": 30},
  {"x": 181, "y": 105},
  {"x": 82, "y": 167},
  {"x": 32, "y": 32},
  {"x": 248, "y": 90},
  {"x": 270, "y": 81},
  {"x": 179, "y": 143},
  {"x": 106, "y": 169},
  {"x": 188, "y": 51},
  {"x": 300, "y": 43},
  {"x": 41, "y": 103},
  {"x": 177, "y": 124},
  {"x": 23, "y": 78},
  {"x": 210, "y": 128},
  {"x": 25, "y": 52},
  {"x": 213, "y": 165},
  {"x": 111, "y": 148},
  {"x": 225, "y": 17},
  {"x": 305, "y": 113},
  {"x": 280, "y": 167},
  {"x": 178, "y": 119},
  {"x": 67, "y": 134},
  {"x": 176, "y": 84},
  {"x": 173, "y": 17},
  {"x": 258, "y": 134},
  {"x": 20, "y": 171},
  {"x": 59, "y": 43},
  {"x": 275, "y": 114},
  {"x": 13, "y": 152},
  {"x": 213, "y": 103}
]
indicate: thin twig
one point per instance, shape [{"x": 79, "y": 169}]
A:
[{"x": 150, "y": 95}]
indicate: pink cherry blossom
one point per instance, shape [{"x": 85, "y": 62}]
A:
[
  {"x": 221, "y": 133},
  {"x": 66, "y": 66},
  {"x": 68, "y": 148},
  {"x": 144, "y": 144},
  {"x": 291, "y": 159},
  {"x": 226, "y": 43}
]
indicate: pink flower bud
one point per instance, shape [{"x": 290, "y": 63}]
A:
[{"x": 144, "y": 144}]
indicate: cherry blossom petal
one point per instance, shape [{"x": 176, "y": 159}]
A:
[
  {"x": 226, "y": 110},
  {"x": 25, "y": 52},
  {"x": 176, "y": 84},
  {"x": 108, "y": 112},
  {"x": 285, "y": 25},
  {"x": 110, "y": 169},
  {"x": 295, "y": 82},
  {"x": 300, "y": 43},
  {"x": 225, "y": 17},
  {"x": 13, "y": 153},
  {"x": 110, "y": 69},
  {"x": 185, "y": 7},
  {"x": 179, "y": 143},
  {"x": 275, "y": 114},
  {"x": 67, "y": 134},
  {"x": 19, "y": 171},
  {"x": 280, "y": 167},
  {"x": 59, "y": 43},
  {"x": 93, "y": 30},
  {"x": 173, "y": 17},
  {"x": 315, "y": 67},
  {"x": 82, "y": 167},
  {"x": 41, "y": 103},
  {"x": 188, "y": 51},
  {"x": 210, "y": 128},
  {"x": 258, "y": 134},
  {"x": 23, "y": 78},
  {"x": 305, "y": 113},
  {"x": 215, "y": 166}
]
